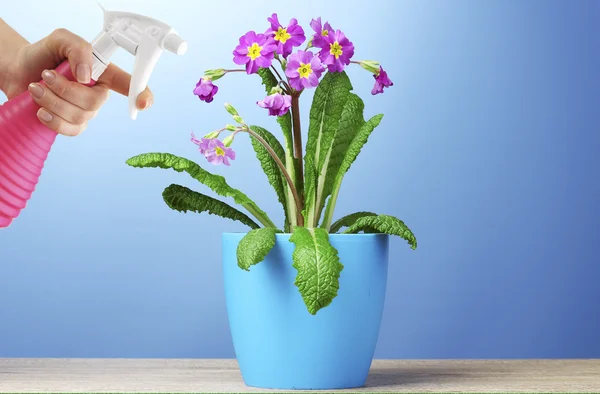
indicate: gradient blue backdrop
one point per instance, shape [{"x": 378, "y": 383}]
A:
[{"x": 488, "y": 151}]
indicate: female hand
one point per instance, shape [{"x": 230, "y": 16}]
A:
[{"x": 66, "y": 106}]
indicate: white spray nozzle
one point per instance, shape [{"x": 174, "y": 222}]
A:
[{"x": 145, "y": 38}]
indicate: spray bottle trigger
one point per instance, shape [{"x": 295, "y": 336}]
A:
[{"x": 148, "y": 53}]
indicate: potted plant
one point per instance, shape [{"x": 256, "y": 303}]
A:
[{"x": 304, "y": 300}]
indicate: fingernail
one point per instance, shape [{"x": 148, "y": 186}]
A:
[
  {"x": 148, "y": 103},
  {"x": 48, "y": 77},
  {"x": 44, "y": 115},
  {"x": 36, "y": 90},
  {"x": 83, "y": 73}
]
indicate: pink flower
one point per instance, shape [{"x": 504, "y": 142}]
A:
[
  {"x": 216, "y": 152},
  {"x": 337, "y": 52},
  {"x": 381, "y": 81},
  {"x": 255, "y": 51},
  {"x": 286, "y": 38},
  {"x": 321, "y": 32},
  {"x": 304, "y": 70},
  {"x": 205, "y": 90},
  {"x": 277, "y": 104}
]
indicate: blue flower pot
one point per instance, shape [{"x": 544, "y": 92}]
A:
[{"x": 278, "y": 343}]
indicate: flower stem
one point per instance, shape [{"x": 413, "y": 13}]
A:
[
  {"x": 296, "y": 126},
  {"x": 297, "y": 200},
  {"x": 277, "y": 72}
]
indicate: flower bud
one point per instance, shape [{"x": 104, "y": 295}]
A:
[
  {"x": 230, "y": 109},
  {"x": 370, "y": 65},
  {"x": 230, "y": 127},
  {"x": 310, "y": 43},
  {"x": 212, "y": 134},
  {"x": 276, "y": 89},
  {"x": 227, "y": 141},
  {"x": 215, "y": 74},
  {"x": 238, "y": 119}
]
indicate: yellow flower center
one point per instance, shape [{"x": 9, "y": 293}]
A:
[
  {"x": 282, "y": 35},
  {"x": 219, "y": 151},
  {"x": 254, "y": 51},
  {"x": 336, "y": 49},
  {"x": 304, "y": 70},
  {"x": 325, "y": 33}
]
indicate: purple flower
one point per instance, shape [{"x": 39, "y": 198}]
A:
[
  {"x": 337, "y": 52},
  {"x": 321, "y": 32},
  {"x": 304, "y": 70},
  {"x": 381, "y": 81},
  {"x": 201, "y": 145},
  {"x": 286, "y": 38},
  {"x": 205, "y": 90},
  {"x": 254, "y": 50},
  {"x": 277, "y": 104},
  {"x": 214, "y": 150}
]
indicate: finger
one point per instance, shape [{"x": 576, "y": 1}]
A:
[
  {"x": 74, "y": 48},
  {"x": 58, "y": 124},
  {"x": 46, "y": 98},
  {"x": 118, "y": 80},
  {"x": 84, "y": 97}
]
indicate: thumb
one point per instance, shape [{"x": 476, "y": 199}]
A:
[
  {"x": 118, "y": 80},
  {"x": 79, "y": 52}
]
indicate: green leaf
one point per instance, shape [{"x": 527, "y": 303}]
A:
[
  {"x": 354, "y": 148},
  {"x": 310, "y": 192},
  {"x": 383, "y": 224},
  {"x": 182, "y": 199},
  {"x": 268, "y": 79},
  {"x": 318, "y": 267},
  {"x": 350, "y": 123},
  {"x": 349, "y": 220},
  {"x": 269, "y": 166},
  {"x": 255, "y": 246},
  {"x": 325, "y": 113},
  {"x": 215, "y": 182}
]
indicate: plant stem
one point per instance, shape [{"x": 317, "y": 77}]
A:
[
  {"x": 297, "y": 136},
  {"x": 297, "y": 200},
  {"x": 237, "y": 70},
  {"x": 296, "y": 126},
  {"x": 277, "y": 72}
]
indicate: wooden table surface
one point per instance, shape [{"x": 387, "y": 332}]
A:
[{"x": 217, "y": 375}]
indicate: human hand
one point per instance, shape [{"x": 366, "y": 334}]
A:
[{"x": 66, "y": 106}]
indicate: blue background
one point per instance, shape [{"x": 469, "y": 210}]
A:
[{"x": 488, "y": 151}]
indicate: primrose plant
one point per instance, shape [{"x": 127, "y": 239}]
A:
[{"x": 307, "y": 185}]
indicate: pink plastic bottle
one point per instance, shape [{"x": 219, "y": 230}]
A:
[
  {"x": 25, "y": 142},
  {"x": 24, "y": 146}
]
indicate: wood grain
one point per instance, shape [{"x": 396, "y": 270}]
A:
[{"x": 217, "y": 375}]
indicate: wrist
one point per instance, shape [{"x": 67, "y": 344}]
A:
[{"x": 11, "y": 44}]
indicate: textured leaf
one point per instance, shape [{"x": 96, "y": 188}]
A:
[
  {"x": 354, "y": 148},
  {"x": 269, "y": 166},
  {"x": 182, "y": 199},
  {"x": 383, "y": 224},
  {"x": 255, "y": 246},
  {"x": 350, "y": 123},
  {"x": 349, "y": 220},
  {"x": 357, "y": 143},
  {"x": 325, "y": 113},
  {"x": 215, "y": 182},
  {"x": 268, "y": 79},
  {"x": 318, "y": 267},
  {"x": 310, "y": 192}
]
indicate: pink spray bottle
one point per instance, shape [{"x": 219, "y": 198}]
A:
[{"x": 25, "y": 142}]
